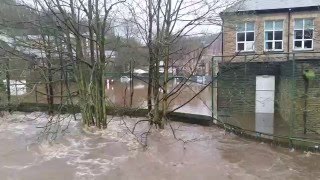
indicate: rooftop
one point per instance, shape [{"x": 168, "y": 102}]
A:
[{"x": 262, "y": 5}]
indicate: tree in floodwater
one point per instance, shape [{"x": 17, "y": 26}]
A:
[
  {"x": 164, "y": 24},
  {"x": 74, "y": 35},
  {"x": 85, "y": 25}
]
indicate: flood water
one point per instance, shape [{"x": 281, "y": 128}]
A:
[
  {"x": 115, "y": 153},
  {"x": 119, "y": 94}
]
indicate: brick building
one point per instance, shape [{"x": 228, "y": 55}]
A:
[
  {"x": 263, "y": 27},
  {"x": 268, "y": 47}
]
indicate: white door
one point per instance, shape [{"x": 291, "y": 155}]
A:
[
  {"x": 265, "y": 92},
  {"x": 265, "y": 124}
]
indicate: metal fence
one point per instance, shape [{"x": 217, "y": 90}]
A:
[{"x": 275, "y": 96}]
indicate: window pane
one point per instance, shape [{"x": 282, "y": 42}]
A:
[
  {"x": 308, "y": 44},
  {"x": 298, "y": 34},
  {"x": 308, "y": 34},
  {"x": 268, "y": 45},
  {"x": 250, "y": 36},
  {"x": 269, "y": 25},
  {"x": 278, "y": 25},
  {"x": 269, "y": 35},
  {"x": 278, "y": 45},
  {"x": 308, "y": 24},
  {"x": 249, "y": 46},
  {"x": 278, "y": 35},
  {"x": 298, "y": 44},
  {"x": 240, "y": 27},
  {"x": 240, "y": 36},
  {"x": 298, "y": 24},
  {"x": 250, "y": 26},
  {"x": 240, "y": 46}
]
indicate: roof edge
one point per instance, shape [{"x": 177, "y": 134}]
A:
[{"x": 280, "y": 10}]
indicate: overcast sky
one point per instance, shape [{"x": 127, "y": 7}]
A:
[{"x": 188, "y": 6}]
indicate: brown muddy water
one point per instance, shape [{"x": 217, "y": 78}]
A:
[
  {"x": 119, "y": 94},
  {"x": 201, "y": 153}
]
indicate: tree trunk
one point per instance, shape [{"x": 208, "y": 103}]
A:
[{"x": 151, "y": 59}]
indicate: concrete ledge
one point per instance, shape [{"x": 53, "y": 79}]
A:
[
  {"x": 191, "y": 118},
  {"x": 120, "y": 111}
]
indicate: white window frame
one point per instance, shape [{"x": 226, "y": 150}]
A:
[
  {"x": 245, "y": 37},
  {"x": 303, "y": 39},
  {"x": 274, "y": 32}
]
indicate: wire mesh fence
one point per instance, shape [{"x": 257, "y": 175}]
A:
[{"x": 272, "y": 98}]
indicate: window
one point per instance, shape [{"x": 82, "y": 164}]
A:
[
  {"x": 273, "y": 35},
  {"x": 245, "y": 36},
  {"x": 303, "y": 34}
]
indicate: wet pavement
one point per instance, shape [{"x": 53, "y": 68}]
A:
[{"x": 199, "y": 153}]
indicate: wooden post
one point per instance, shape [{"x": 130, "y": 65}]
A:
[
  {"x": 131, "y": 83},
  {"x": 8, "y": 83},
  {"x": 36, "y": 93}
]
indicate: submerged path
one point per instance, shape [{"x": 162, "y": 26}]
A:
[{"x": 202, "y": 153}]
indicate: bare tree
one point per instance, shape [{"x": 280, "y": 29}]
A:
[
  {"x": 74, "y": 36},
  {"x": 166, "y": 24}
]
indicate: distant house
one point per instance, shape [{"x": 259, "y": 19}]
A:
[
  {"x": 197, "y": 60},
  {"x": 172, "y": 70},
  {"x": 10, "y": 47},
  {"x": 24, "y": 44},
  {"x": 111, "y": 55},
  {"x": 33, "y": 46}
]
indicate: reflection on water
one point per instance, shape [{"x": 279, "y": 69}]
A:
[
  {"x": 265, "y": 124},
  {"x": 120, "y": 94}
]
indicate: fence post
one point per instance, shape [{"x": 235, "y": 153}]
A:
[
  {"x": 131, "y": 82},
  {"x": 244, "y": 108},
  {"x": 293, "y": 99},
  {"x": 212, "y": 93},
  {"x": 36, "y": 93},
  {"x": 8, "y": 83},
  {"x": 214, "y": 88}
]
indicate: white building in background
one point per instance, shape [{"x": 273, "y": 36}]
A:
[
  {"x": 17, "y": 87},
  {"x": 140, "y": 71},
  {"x": 171, "y": 70},
  {"x": 32, "y": 45},
  {"x": 110, "y": 54}
]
